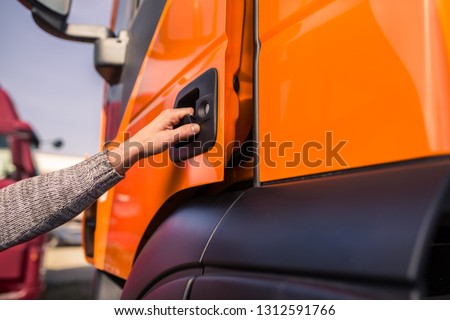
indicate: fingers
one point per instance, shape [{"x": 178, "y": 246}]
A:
[
  {"x": 175, "y": 115},
  {"x": 184, "y": 132}
]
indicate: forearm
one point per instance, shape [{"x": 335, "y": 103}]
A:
[{"x": 34, "y": 206}]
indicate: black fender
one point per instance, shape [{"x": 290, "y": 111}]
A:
[{"x": 357, "y": 234}]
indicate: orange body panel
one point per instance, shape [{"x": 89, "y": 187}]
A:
[
  {"x": 192, "y": 37},
  {"x": 372, "y": 73},
  {"x": 341, "y": 84}
]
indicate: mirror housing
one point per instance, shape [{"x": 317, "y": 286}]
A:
[
  {"x": 110, "y": 52},
  {"x": 110, "y": 56},
  {"x": 61, "y": 7}
]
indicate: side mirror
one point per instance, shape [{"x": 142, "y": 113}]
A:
[
  {"x": 110, "y": 51},
  {"x": 59, "y": 7}
]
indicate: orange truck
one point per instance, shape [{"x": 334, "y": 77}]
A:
[{"x": 321, "y": 169}]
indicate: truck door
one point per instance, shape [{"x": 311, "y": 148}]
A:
[{"x": 180, "y": 54}]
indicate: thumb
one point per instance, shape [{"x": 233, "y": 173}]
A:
[{"x": 184, "y": 132}]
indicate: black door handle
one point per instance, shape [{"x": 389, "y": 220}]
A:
[{"x": 200, "y": 94}]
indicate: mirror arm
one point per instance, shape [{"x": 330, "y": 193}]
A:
[
  {"x": 87, "y": 33},
  {"x": 73, "y": 32},
  {"x": 109, "y": 51}
]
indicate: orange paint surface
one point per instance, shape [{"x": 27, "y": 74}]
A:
[{"x": 373, "y": 73}]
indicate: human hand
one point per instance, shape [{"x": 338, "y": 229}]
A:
[{"x": 152, "y": 139}]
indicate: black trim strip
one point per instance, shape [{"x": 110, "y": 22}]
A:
[
  {"x": 356, "y": 170},
  {"x": 256, "y": 51}
]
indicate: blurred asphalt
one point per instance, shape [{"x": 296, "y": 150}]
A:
[{"x": 68, "y": 276}]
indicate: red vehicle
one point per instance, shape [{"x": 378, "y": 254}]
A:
[{"x": 20, "y": 266}]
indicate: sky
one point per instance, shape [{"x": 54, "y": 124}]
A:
[{"x": 53, "y": 82}]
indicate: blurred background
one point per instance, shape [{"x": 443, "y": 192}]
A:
[
  {"x": 55, "y": 88},
  {"x": 52, "y": 81}
]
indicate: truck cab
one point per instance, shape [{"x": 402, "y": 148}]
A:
[
  {"x": 322, "y": 165},
  {"x": 21, "y": 273}
]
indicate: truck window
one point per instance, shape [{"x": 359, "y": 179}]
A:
[{"x": 6, "y": 162}]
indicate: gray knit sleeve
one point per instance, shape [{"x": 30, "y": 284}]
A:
[{"x": 37, "y": 205}]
